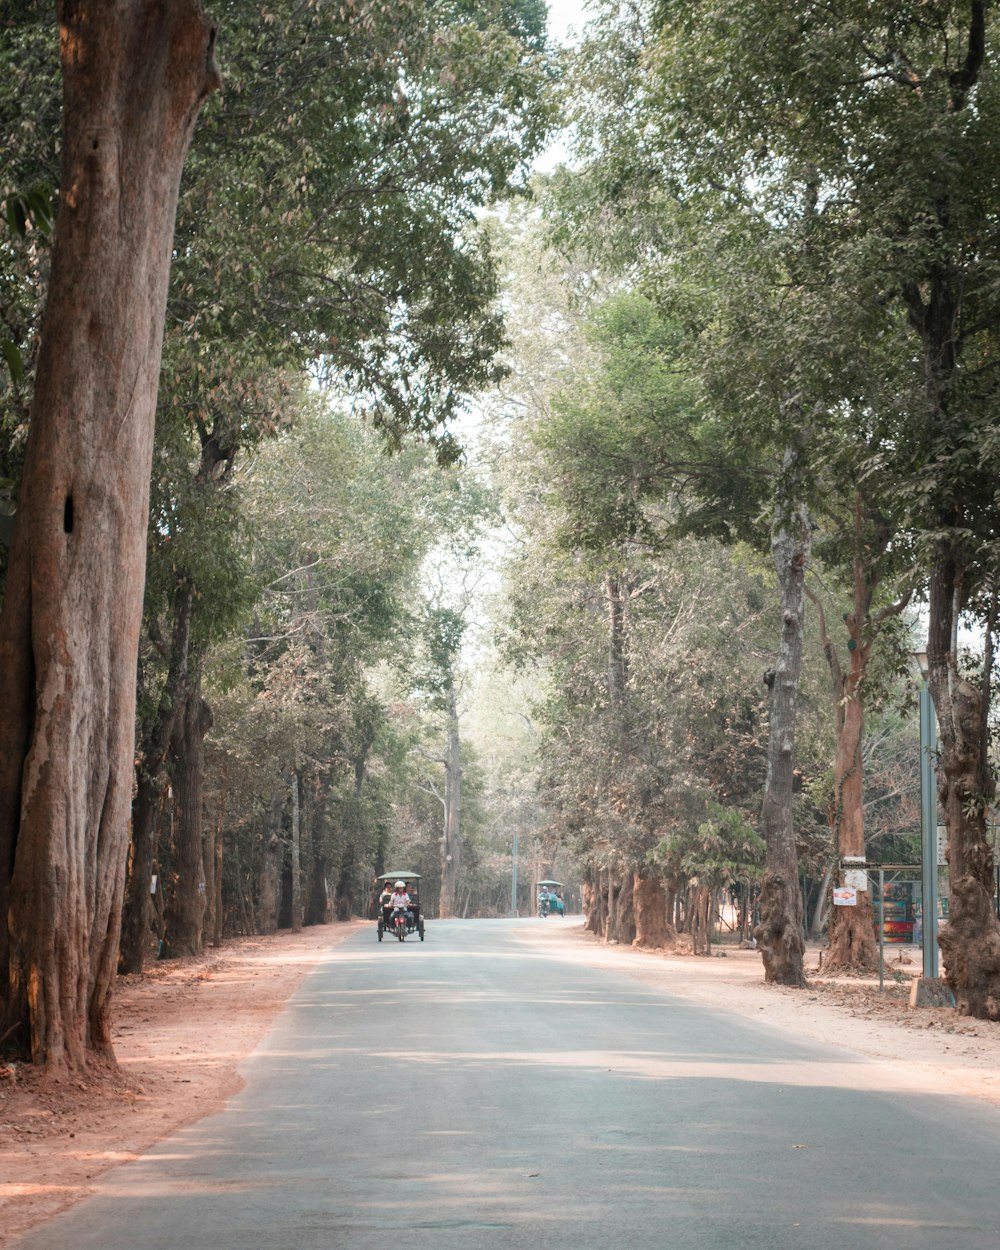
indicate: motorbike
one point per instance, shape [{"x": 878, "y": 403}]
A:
[{"x": 399, "y": 924}]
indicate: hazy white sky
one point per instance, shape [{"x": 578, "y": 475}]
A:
[{"x": 565, "y": 15}]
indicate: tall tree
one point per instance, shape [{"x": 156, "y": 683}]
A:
[
  {"x": 363, "y": 264},
  {"x": 869, "y": 622},
  {"x": 134, "y": 79},
  {"x": 342, "y": 530},
  {"x": 780, "y": 933},
  {"x": 890, "y": 114},
  {"x": 441, "y": 680}
]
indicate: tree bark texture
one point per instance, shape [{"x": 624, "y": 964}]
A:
[
  {"x": 702, "y": 907},
  {"x": 852, "y": 943},
  {"x": 592, "y": 906},
  {"x": 653, "y": 930},
  {"x": 779, "y": 933},
  {"x": 317, "y": 905},
  {"x": 134, "y": 77},
  {"x": 269, "y": 896},
  {"x": 137, "y": 913},
  {"x": 970, "y": 942},
  {"x": 621, "y": 911},
  {"x": 150, "y": 785},
  {"x": 189, "y": 895}
]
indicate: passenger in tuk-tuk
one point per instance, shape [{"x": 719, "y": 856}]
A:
[{"x": 384, "y": 902}]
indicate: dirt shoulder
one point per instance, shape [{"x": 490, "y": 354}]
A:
[{"x": 182, "y": 1030}]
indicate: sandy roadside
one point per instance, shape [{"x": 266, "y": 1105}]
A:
[{"x": 182, "y": 1030}]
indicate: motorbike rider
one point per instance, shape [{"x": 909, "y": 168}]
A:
[{"x": 400, "y": 900}]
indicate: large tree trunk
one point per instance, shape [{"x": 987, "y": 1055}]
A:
[
  {"x": 620, "y": 926},
  {"x": 852, "y": 935},
  {"x": 626, "y": 911},
  {"x": 189, "y": 895},
  {"x": 852, "y": 932},
  {"x": 272, "y": 862},
  {"x": 269, "y": 895},
  {"x": 702, "y": 905},
  {"x": 779, "y": 934},
  {"x": 970, "y": 942},
  {"x": 151, "y": 758},
  {"x": 134, "y": 77},
  {"x": 317, "y": 906},
  {"x": 934, "y": 301},
  {"x": 591, "y": 896},
  {"x": 138, "y": 909},
  {"x": 653, "y": 930}
]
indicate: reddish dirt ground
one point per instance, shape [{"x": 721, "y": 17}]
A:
[
  {"x": 183, "y": 1028},
  {"x": 179, "y": 1033}
]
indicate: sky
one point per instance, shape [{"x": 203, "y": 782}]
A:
[
  {"x": 565, "y": 15},
  {"x": 566, "y": 21}
]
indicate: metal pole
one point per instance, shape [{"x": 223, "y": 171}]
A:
[
  {"x": 513, "y": 879},
  {"x": 881, "y": 930},
  {"x": 928, "y": 833}
]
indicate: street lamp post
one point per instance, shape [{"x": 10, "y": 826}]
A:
[{"x": 928, "y": 821}]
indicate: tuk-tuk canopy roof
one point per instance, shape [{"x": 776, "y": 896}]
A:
[
  {"x": 399, "y": 876},
  {"x": 559, "y": 883}
]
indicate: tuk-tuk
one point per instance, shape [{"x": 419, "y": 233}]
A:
[
  {"x": 550, "y": 899},
  {"x": 415, "y": 919}
]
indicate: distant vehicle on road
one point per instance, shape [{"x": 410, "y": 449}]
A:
[
  {"x": 550, "y": 899},
  {"x": 414, "y": 920}
]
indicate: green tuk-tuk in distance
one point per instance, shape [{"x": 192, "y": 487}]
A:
[{"x": 550, "y": 899}]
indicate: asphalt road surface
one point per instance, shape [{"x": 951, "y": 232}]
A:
[{"x": 484, "y": 1090}]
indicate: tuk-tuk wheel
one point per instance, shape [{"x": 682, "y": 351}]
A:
[{"x": 420, "y": 930}]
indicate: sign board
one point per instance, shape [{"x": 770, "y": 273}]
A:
[
  {"x": 845, "y": 896},
  {"x": 942, "y": 845},
  {"x": 856, "y": 878}
]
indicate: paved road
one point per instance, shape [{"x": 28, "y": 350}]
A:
[{"x": 479, "y": 1092}]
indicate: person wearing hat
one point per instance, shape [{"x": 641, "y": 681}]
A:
[{"x": 400, "y": 900}]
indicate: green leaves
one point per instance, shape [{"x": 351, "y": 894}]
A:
[
  {"x": 726, "y": 850},
  {"x": 379, "y": 131},
  {"x": 31, "y": 209},
  {"x": 12, "y": 357}
]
